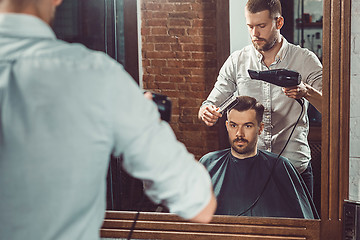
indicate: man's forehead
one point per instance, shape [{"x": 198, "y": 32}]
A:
[
  {"x": 258, "y": 16},
  {"x": 242, "y": 116}
]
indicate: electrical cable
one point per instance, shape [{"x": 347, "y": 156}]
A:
[
  {"x": 140, "y": 205},
  {"x": 276, "y": 161},
  {"x": 133, "y": 225},
  {"x": 111, "y": 186}
]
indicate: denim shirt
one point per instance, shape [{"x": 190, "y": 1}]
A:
[
  {"x": 63, "y": 110},
  {"x": 281, "y": 112}
]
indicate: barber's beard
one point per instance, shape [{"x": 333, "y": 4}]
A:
[
  {"x": 269, "y": 44},
  {"x": 248, "y": 147}
]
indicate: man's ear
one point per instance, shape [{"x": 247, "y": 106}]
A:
[
  {"x": 261, "y": 128},
  {"x": 279, "y": 22},
  {"x": 57, "y": 2}
]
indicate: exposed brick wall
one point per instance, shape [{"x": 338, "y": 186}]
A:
[{"x": 179, "y": 60}]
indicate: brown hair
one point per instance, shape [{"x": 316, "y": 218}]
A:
[
  {"x": 273, "y": 6},
  {"x": 245, "y": 103}
]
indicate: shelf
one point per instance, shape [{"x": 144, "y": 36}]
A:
[{"x": 309, "y": 25}]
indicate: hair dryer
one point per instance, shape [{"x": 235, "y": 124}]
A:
[
  {"x": 279, "y": 77},
  {"x": 163, "y": 104}
]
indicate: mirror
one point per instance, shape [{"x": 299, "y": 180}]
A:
[
  {"x": 108, "y": 36},
  {"x": 334, "y": 161},
  {"x": 303, "y": 26}
]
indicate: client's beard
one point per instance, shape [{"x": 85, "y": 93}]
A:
[{"x": 248, "y": 149}]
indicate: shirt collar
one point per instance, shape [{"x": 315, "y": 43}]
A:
[
  {"x": 282, "y": 52},
  {"x": 279, "y": 56},
  {"x": 24, "y": 26}
]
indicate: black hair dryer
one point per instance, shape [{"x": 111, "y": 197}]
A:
[
  {"x": 279, "y": 77},
  {"x": 164, "y": 106}
]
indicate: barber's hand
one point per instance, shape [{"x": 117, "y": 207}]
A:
[
  {"x": 148, "y": 95},
  {"x": 209, "y": 114},
  {"x": 296, "y": 92}
]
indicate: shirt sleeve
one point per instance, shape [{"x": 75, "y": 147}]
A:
[
  {"x": 313, "y": 69},
  {"x": 152, "y": 153},
  {"x": 225, "y": 84}
]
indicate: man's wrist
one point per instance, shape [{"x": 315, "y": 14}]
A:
[
  {"x": 308, "y": 91},
  {"x": 201, "y": 110}
]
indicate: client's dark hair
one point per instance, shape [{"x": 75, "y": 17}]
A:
[
  {"x": 245, "y": 103},
  {"x": 273, "y": 6}
]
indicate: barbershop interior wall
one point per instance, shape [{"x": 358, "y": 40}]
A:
[
  {"x": 354, "y": 181},
  {"x": 178, "y": 39},
  {"x": 239, "y": 36}
]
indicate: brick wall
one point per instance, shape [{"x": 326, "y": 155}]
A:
[{"x": 179, "y": 60}]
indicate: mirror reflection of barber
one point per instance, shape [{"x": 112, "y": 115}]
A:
[{"x": 270, "y": 50}]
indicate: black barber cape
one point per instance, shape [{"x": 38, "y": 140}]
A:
[{"x": 238, "y": 183}]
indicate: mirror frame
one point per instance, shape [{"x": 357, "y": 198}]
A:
[{"x": 334, "y": 161}]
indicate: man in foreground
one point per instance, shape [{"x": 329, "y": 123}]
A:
[
  {"x": 252, "y": 182},
  {"x": 63, "y": 110}
]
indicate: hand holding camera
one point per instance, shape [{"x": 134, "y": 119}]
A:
[{"x": 163, "y": 104}]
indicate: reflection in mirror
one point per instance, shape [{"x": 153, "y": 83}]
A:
[
  {"x": 75, "y": 22},
  {"x": 308, "y": 33},
  {"x": 93, "y": 24},
  {"x": 280, "y": 114}
]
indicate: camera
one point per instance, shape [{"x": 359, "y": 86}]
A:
[{"x": 163, "y": 104}]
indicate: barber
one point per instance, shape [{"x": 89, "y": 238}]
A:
[
  {"x": 270, "y": 50},
  {"x": 63, "y": 110}
]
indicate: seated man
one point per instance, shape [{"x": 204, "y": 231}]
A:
[{"x": 252, "y": 182}]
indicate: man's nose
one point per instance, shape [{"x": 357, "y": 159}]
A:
[
  {"x": 255, "y": 32},
  {"x": 240, "y": 132}
]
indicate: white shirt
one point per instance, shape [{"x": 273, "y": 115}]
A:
[
  {"x": 63, "y": 110},
  {"x": 281, "y": 112}
]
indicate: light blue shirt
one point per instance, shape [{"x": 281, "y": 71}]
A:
[
  {"x": 281, "y": 112},
  {"x": 63, "y": 110}
]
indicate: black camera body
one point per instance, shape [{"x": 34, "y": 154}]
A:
[{"x": 163, "y": 104}]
